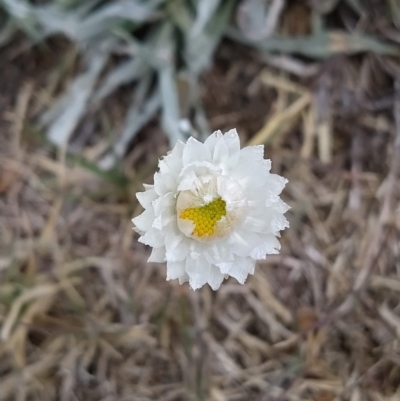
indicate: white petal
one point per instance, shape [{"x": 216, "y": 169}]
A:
[
  {"x": 172, "y": 162},
  {"x": 195, "y": 151},
  {"x": 281, "y": 206},
  {"x": 243, "y": 242},
  {"x": 144, "y": 221},
  {"x": 211, "y": 141},
  {"x": 224, "y": 267},
  {"x": 260, "y": 220},
  {"x": 257, "y": 224},
  {"x": 146, "y": 198},
  {"x": 177, "y": 249},
  {"x": 157, "y": 255},
  {"x": 239, "y": 269},
  {"x": 163, "y": 202},
  {"x": 201, "y": 168},
  {"x": 251, "y": 165},
  {"x": 252, "y": 153},
  {"x": 279, "y": 223},
  {"x": 231, "y": 193},
  {"x": 172, "y": 241},
  {"x": 250, "y": 172},
  {"x": 164, "y": 219},
  {"x": 164, "y": 210},
  {"x": 197, "y": 270},
  {"x": 215, "y": 252},
  {"x": 188, "y": 181},
  {"x": 175, "y": 270},
  {"x": 215, "y": 277},
  {"x": 270, "y": 246},
  {"x": 152, "y": 238},
  {"x": 186, "y": 226},
  {"x": 265, "y": 215},
  {"x": 221, "y": 153},
  {"x": 164, "y": 183},
  {"x": 183, "y": 279},
  {"x": 170, "y": 166},
  {"x": 177, "y": 150},
  {"x": 275, "y": 183},
  {"x": 267, "y": 164},
  {"x": 232, "y": 142}
]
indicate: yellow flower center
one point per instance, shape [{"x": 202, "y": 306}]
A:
[{"x": 205, "y": 217}]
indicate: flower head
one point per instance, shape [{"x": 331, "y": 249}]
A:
[{"x": 214, "y": 209}]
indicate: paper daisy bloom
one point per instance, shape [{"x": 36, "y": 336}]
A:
[{"x": 213, "y": 211}]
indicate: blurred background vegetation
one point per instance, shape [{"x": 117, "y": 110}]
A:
[{"x": 92, "y": 92}]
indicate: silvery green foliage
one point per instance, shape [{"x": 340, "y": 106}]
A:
[
  {"x": 178, "y": 44},
  {"x": 102, "y": 29}
]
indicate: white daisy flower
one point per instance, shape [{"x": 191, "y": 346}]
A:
[{"x": 214, "y": 209}]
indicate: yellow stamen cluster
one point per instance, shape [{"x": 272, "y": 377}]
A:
[{"x": 205, "y": 217}]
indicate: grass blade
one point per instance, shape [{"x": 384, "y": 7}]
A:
[
  {"x": 323, "y": 45},
  {"x": 139, "y": 114},
  {"x": 66, "y": 114}
]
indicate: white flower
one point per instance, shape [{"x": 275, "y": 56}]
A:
[{"x": 214, "y": 209}]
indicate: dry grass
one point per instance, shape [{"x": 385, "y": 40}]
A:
[{"x": 84, "y": 317}]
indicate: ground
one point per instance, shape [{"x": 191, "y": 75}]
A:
[{"x": 83, "y": 316}]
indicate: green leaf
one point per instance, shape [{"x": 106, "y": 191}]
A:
[
  {"x": 322, "y": 45},
  {"x": 113, "y": 175},
  {"x": 64, "y": 117},
  {"x": 141, "y": 111},
  {"x": 206, "y": 9},
  {"x": 7, "y": 32},
  {"x": 200, "y": 47},
  {"x": 125, "y": 73},
  {"x": 394, "y": 7}
]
